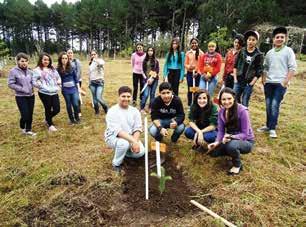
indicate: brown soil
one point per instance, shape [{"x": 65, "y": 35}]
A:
[{"x": 109, "y": 203}]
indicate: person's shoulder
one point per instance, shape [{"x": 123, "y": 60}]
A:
[
  {"x": 242, "y": 108},
  {"x": 289, "y": 49},
  {"x": 214, "y": 107},
  {"x": 258, "y": 51},
  {"x": 176, "y": 99}
]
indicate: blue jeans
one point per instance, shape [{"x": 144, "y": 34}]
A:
[
  {"x": 209, "y": 137},
  {"x": 165, "y": 123},
  {"x": 211, "y": 85},
  {"x": 274, "y": 94},
  {"x": 97, "y": 92},
  {"x": 72, "y": 101},
  {"x": 150, "y": 90},
  {"x": 243, "y": 93},
  {"x": 190, "y": 84},
  {"x": 233, "y": 149}
]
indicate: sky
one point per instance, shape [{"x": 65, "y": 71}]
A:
[{"x": 50, "y": 2}]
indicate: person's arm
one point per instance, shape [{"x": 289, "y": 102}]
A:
[
  {"x": 180, "y": 115},
  {"x": 166, "y": 70},
  {"x": 292, "y": 66},
  {"x": 182, "y": 66},
  {"x": 133, "y": 61},
  {"x": 79, "y": 69},
  {"x": 244, "y": 126},
  {"x": 157, "y": 66},
  {"x": 187, "y": 62},
  {"x": 12, "y": 83},
  {"x": 221, "y": 127},
  {"x": 201, "y": 64},
  {"x": 258, "y": 68},
  {"x": 217, "y": 67},
  {"x": 265, "y": 69},
  {"x": 36, "y": 79}
]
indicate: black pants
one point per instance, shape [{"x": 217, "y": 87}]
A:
[
  {"x": 174, "y": 79},
  {"x": 52, "y": 106},
  {"x": 229, "y": 81},
  {"x": 137, "y": 78},
  {"x": 26, "y": 105}
]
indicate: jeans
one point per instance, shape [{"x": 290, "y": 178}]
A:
[
  {"x": 52, "y": 106},
  {"x": 174, "y": 79},
  {"x": 150, "y": 90},
  {"x": 190, "y": 84},
  {"x": 26, "y": 105},
  {"x": 209, "y": 137},
  {"x": 243, "y": 93},
  {"x": 229, "y": 81},
  {"x": 210, "y": 84},
  {"x": 137, "y": 78},
  {"x": 97, "y": 92},
  {"x": 274, "y": 94},
  {"x": 233, "y": 149},
  {"x": 122, "y": 149},
  {"x": 72, "y": 101},
  {"x": 165, "y": 123}
]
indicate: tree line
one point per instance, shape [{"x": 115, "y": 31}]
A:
[{"x": 116, "y": 25}]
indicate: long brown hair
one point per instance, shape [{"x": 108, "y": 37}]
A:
[
  {"x": 198, "y": 112},
  {"x": 232, "y": 120},
  {"x": 39, "y": 63},
  {"x": 60, "y": 67},
  {"x": 171, "y": 51}
]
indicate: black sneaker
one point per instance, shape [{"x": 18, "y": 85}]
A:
[{"x": 117, "y": 169}]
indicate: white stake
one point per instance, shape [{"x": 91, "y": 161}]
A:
[
  {"x": 158, "y": 158},
  {"x": 226, "y": 222},
  {"x": 146, "y": 158}
]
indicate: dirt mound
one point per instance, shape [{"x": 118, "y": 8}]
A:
[{"x": 69, "y": 179}]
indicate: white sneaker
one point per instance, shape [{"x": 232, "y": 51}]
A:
[
  {"x": 263, "y": 129},
  {"x": 80, "y": 114},
  {"x": 30, "y": 133},
  {"x": 272, "y": 134},
  {"x": 52, "y": 129},
  {"x": 23, "y": 131}
]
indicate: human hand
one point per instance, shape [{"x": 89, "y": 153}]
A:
[
  {"x": 181, "y": 81},
  {"x": 226, "y": 138},
  {"x": 135, "y": 147},
  {"x": 173, "y": 124},
  {"x": 212, "y": 146},
  {"x": 164, "y": 132}
]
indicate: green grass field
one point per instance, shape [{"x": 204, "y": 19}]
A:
[{"x": 271, "y": 191}]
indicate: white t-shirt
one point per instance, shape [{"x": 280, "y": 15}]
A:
[{"x": 120, "y": 119}]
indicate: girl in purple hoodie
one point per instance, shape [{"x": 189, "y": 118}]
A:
[
  {"x": 235, "y": 135},
  {"x": 138, "y": 74}
]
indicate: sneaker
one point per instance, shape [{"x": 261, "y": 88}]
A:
[
  {"x": 30, "y": 133},
  {"x": 52, "y": 129},
  {"x": 235, "y": 170},
  {"x": 272, "y": 134},
  {"x": 80, "y": 114},
  {"x": 23, "y": 131},
  {"x": 117, "y": 169},
  {"x": 263, "y": 129}
]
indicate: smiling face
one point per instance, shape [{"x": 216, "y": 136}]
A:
[
  {"x": 236, "y": 44},
  {"x": 139, "y": 48},
  {"x": 166, "y": 95},
  {"x": 211, "y": 48},
  {"x": 23, "y": 63},
  {"x": 279, "y": 40},
  {"x": 194, "y": 44},
  {"x": 70, "y": 54},
  {"x": 150, "y": 52},
  {"x": 124, "y": 99},
  {"x": 202, "y": 100},
  {"x": 45, "y": 61},
  {"x": 227, "y": 100},
  {"x": 174, "y": 45}
]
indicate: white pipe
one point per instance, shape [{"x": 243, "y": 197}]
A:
[
  {"x": 158, "y": 159},
  {"x": 146, "y": 159},
  {"x": 226, "y": 222}
]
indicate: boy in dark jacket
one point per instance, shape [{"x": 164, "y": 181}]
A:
[
  {"x": 248, "y": 68},
  {"x": 167, "y": 112}
]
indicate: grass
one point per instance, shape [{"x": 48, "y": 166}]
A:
[{"x": 269, "y": 192}]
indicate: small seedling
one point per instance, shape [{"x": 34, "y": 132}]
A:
[{"x": 162, "y": 179}]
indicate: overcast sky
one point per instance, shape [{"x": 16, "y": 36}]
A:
[{"x": 50, "y": 2}]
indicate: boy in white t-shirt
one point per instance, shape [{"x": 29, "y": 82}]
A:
[{"x": 123, "y": 129}]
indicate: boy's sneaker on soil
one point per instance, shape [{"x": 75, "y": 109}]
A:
[
  {"x": 263, "y": 129},
  {"x": 272, "y": 134},
  {"x": 30, "y": 133},
  {"x": 52, "y": 129}
]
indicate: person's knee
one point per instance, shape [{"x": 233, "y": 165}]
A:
[
  {"x": 189, "y": 133},
  {"x": 180, "y": 128},
  {"x": 210, "y": 137},
  {"x": 123, "y": 144},
  {"x": 232, "y": 147},
  {"x": 153, "y": 130}
]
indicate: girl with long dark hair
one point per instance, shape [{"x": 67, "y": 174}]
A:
[
  {"x": 151, "y": 71},
  {"x": 202, "y": 121},
  {"x": 191, "y": 65},
  {"x": 70, "y": 85},
  {"x": 48, "y": 82},
  {"x": 235, "y": 135},
  {"x": 174, "y": 66}
]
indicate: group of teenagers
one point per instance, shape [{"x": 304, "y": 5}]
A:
[
  {"x": 220, "y": 129},
  {"x": 50, "y": 80},
  {"x": 223, "y": 129}
]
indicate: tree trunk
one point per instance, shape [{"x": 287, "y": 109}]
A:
[{"x": 183, "y": 30}]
